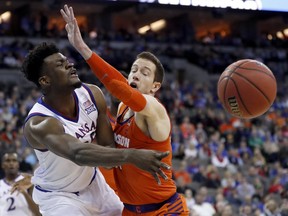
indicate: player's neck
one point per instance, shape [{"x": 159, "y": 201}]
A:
[
  {"x": 10, "y": 179},
  {"x": 64, "y": 104}
]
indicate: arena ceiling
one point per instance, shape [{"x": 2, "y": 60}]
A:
[{"x": 202, "y": 19}]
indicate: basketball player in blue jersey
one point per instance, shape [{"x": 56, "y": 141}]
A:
[
  {"x": 19, "y": 203},
  {"x": 62, "y": 127}
]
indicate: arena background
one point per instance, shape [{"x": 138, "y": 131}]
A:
[{"x": 234, "y": 164}]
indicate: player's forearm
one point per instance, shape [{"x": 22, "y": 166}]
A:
[
  {"x": 31, "y": 204},
  {"x": 84, "y": 50},
  {"x": 103, "y": 70},
  {"x": 95, "y": 155},
  {"x": 116, "y": 83}
]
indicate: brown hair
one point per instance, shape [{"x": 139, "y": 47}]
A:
[{"x": 159, "y": 73}]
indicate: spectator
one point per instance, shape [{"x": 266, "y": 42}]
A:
[
  {"x": 189, "y": 198},
  {"x": 245, "y": 189},
  {"x": 201, "y": 207}
]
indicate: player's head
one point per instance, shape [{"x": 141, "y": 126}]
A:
[
  {"x": 47, "y": 67},
  {"x": 147, "y": 73},
  {"x": 10, "y": 163}
]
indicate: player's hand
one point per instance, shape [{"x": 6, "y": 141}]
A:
[
  {"x": 150, "y": 161},
  {"x": 23, "y": 184},
  {"x": 72, "y": 28}
]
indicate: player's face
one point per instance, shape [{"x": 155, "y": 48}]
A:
[
  {"x": 60, "y": 72},
  {"x": 10, "y": 164},
  {"x": 142, "y": 76}
]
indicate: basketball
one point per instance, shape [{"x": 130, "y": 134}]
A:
[{"x": 247, "y": 88}]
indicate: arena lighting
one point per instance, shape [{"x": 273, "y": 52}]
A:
[
  {"x": 144, "y": 29},
  {"x": 155, "y": 26},
  {"x": 158, "y": 25},
  {"x": 286, "y": 32},
  {"x": 5, "y": 16},
  {"x": 280, "y": 35},
  {"x": 234, "y": 4},
  {"x": 265, "y": 5}
]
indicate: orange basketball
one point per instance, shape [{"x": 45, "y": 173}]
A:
[{"x": 247, "y": 88}]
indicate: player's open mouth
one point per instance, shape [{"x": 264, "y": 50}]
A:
[
  {"x": 73, "y": 73},
  {"x": 133, "y": 85}
]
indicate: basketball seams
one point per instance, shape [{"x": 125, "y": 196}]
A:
[
  {"x": 254, "y": 69},
  {"x": 251, "y": 83},
  {"x": 232, "y": 71},
  {"x": 226, "y": 84},
  {"x": 238, "y": 92}
]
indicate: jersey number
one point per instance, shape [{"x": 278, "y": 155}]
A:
[{"x": 11, "y": 200}]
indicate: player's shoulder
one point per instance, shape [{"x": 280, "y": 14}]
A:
[
  {"x": 92, "y": 87},
  {"x": 96, "y": 92},
  {"x": 155, "y": 103}
]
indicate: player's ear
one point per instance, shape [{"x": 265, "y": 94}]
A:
[
  {"x": 44, "y": 80},
  {"x": 156, "y": 86}
]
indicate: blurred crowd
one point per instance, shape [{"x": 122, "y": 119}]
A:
[{"x": 223, "y": 165}]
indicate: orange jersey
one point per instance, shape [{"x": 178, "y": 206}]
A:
[
  {"x": 135, "y": 186},
  {"x": 109, "y": 177},
  {"x": 108, "y": 173}
]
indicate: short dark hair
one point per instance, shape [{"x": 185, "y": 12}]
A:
[
  {"x": 33, "y": 62},
  {"x": 9, "y": 152},
  {"x": 159, "y": 73}
]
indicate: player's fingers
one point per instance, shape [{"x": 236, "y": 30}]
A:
[
  {"x": 162, "y": 174},
  {"x": 65, "y": 17},
  {"x": 161, "y": 155},
  {"x": 156, "y": 177},
  {"x": 165, "y": 166},
  {"x": 13, "y": 189},
  {"x": 71, "y": 12},
  {"x": 26, "y": 175},
  {"x": 66, "y": 9}
]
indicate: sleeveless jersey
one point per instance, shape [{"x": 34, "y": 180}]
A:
[
  {"x": 56, "y": 173},
  {"x": 15, "y": 204},
  {"x": 135, "y": 186}
]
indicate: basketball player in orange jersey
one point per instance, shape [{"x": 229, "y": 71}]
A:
[{"x": 142, "y": 123}]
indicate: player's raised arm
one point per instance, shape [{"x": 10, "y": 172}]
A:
[{"x": 113, "y": 80}]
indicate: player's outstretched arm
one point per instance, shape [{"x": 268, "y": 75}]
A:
[{"x": 50, "y": 132}]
